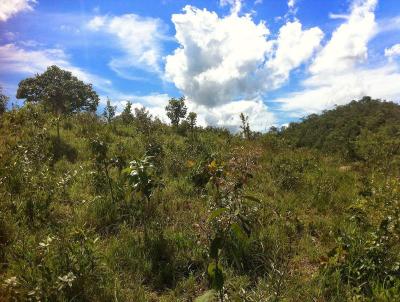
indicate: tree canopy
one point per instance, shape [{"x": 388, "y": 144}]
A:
[
  {"x": 126, "y": 114},
  {"x": 3, "y": 101},
  {"x": 59, "y": 91},
  {"x": 176, "y": 110},
  {"x": 192, "y": 119},
  {"x": 339, "y": 129}
]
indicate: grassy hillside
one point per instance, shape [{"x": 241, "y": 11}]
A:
[{"x": 135, "y": 210}]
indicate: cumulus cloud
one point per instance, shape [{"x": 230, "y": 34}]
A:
[
  {"x": 393, "y": 51},
  {"x": 218, "y": 57},
  {"x": 9, "y": 8},
  {"x": 348, "y": 44},
  {"x": 17, "y": 60},
  {"x": 140, "y": 38},
  {"x": 227, "y": 115},
  {"x": 340, "y": 71},
  {"x": 320, "y": 94},
  {"x": 223, "y": 59},
  {"x": 293, "y": 47}
]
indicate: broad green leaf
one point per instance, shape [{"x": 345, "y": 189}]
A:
[
  {"x": 238, "y": 231},
  {"x": 217, "y": 213},
  {"x": 127, "y": 170},
  {"x": 216, "y": 276},
  {"x": 252, "y": 198}
]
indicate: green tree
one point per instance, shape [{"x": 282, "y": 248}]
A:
[
  {"x": 176, "y": 110},
  {"x": 3, "y": 101},
  {"x": 142, "y": 120},
  {"x": 126, "y": 115},
  {"x": 60, "y": 92},
  {"x": 192, "y": 119},
  {"x": 109, "y": 111},
  {"x": 245, "y": 126}
]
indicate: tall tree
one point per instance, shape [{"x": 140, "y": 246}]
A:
[
  {"x": 126, "y": 115},
  {"x": 59, "y": 91},
  {"x": 245, "y": 126},
  {"x": 176, "y": 110},
  {"x": 143, "y": 120},
  {"x": 109, "y": 111},
  {"x": 3, "y": 101},
  {"x": 192, "y": 118}
]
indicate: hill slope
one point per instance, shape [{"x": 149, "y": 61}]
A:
[
  {"x": 340, "y": 129},
  {"x": 136, "y": 210}
]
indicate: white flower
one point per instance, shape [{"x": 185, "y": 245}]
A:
[
  {"x": 66, "y": 279},
  {"x": 12, "y": 282}
]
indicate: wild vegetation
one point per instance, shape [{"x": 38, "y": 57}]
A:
[{"x": 126, "y": 208}]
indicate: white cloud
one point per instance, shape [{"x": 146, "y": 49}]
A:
[
  {"x": 218, "y": 57},
  {"x": 348, "y": 44},
  {"x": 223, "y": 59},
  {"x": 393, "y": 51},
  {"x": 236, "y": 5},
  {"x": 292, "y": 8},
  {"x": 325, "y": 92},
  {"x": 9, "y": 8},
  {"x": 294, "y": 46},
  {"x": 97, "y": 22},
  {"x": 340, "y": 71},
  {"x": 17, "y": 60},
  {"x": 227, "y": 115},
  {"x": 154, "y": 102},
  {"x": 225, "y": 64},
  {"x": 338, "y": 16},
  {"x": 389, "y": 24},
  {"x": 140, "y": 38}
]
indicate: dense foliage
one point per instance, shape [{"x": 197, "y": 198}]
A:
[
  {"x": 346, "y": 128},
  {"x": 127, "y": 208},
  {"x": 59, "y": 91}
]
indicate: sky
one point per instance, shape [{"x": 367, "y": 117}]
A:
[{"x": 274, "y": 60}]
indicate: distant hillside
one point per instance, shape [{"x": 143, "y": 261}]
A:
[{"x": 346, "y": 129}]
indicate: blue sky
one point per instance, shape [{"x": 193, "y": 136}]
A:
[{"x": 275, "y": 60}]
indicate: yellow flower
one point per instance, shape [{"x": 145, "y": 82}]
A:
[
  {"x": 212, "y": 167},
  {"x": 190, "y": 163}
]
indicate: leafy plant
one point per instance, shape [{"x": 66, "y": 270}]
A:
[
  {"x": 142, "y": 180},
  {"x": 230, "y": 226}
]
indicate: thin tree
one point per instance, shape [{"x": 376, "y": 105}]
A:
[
  {"x": 109, "y": 111},
  {"x": 245, "y": 126}
]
